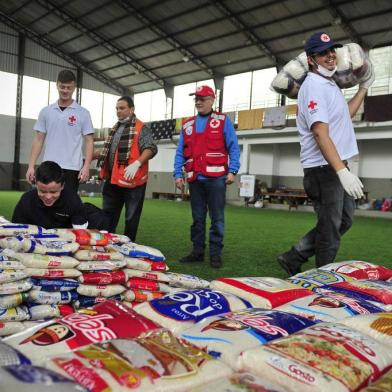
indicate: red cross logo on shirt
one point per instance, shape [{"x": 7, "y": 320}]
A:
[
  {"x": 312, "y": 105},
  {"x": 72, "y": 119}
]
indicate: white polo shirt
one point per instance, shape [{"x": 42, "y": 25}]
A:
[
  {"x": 320, "y": 99},
  {"x": 64, "y": 133}
]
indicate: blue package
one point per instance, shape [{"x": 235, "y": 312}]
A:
[{"x": 55, "y": 284}]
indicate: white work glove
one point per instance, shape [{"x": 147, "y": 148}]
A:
[
  {"x": 351, "y": 183},
  {"x": 369, "y": 81},
  {"x": 131, "y": 170},
  {"x": 84, "y": 226}
]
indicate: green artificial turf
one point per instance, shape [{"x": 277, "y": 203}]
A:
[{"x": 253, "y": 237}]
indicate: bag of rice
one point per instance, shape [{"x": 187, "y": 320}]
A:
[
  {"x": 135, "y": 250},
  {"x": 12, "y": 300},
  {"x": 186, "y": 281},
  {"x": 11, "y": 243},
  {"x": 53, "y": 273},
  {"x": 155, "y": 362},
  {"x": 86, "y": 301},
  {"x": 52, "y": 297},
  {"x": 156, "y": 275},
  {"x": 14, "y": 229},
  {"x": 7, "y": 276},
  {"x": 315, "y": 277},
  {"x": 56, "y": 248},
  {"x": 19, "y": 313},
  {"x": 29, "y": 378},
  {"x": 359, "y": 270},
  {"x": 33, "y": 260},
  {"x": 100, "y": 290},
  {"x": 15, "y": 287},
  {"x": 371, "y": 290},
  {"x": 105, "y": 265},
  {"x": 11, "y": 356},
  {"x": 324, "y": 357},
  {"x": 11, "y": 264},
  {"x": 102, "y": 278},
  {"x": 54, "y": 284},
  {"x": 136, "y": 295},
  {"x": 149, "y": 285},
  {"x": 329, "y": 306},
  {"x": 180, "y": 310},
  {"x": 97, "y": 253},
  {"x": 225, "y": 336},
  {"x": 91, "y": 237},
  {"x": 265, "y": 293},
  {"x": 378, "y": 326},
  {"x": 107, "y": 320},
  {"x": 145, "y": 265}
]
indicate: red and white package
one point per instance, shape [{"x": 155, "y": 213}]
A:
[
  {"x": 377, "y": 325},
  {"x": 155, "y": 362},
  {"x": 53, "y": 273},
  {"x": 107, "y": 320},
  {"x": 99, "y": 253},
  {"x": 102, "y": 278},
  {"x": 33, "y": 260},
  {"x": 107, "y": 290},
  {"x": 324, "y": 357},
  {"x": 379, "y": 291},
  {"x": 359, "y": 270},
  {"x": 150, "y": 275},
  {"x": 135, "y": 295},
  {"x": 8, "y": 328},
  {"x": 266, "y": 293},
  {"x": 145, "y": 264},
  {"x": 149, "y": 285}
]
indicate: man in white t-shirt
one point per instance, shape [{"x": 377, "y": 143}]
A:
[
  {"x": 62, "y": 126},
  {"x": 327, "y": 141}
]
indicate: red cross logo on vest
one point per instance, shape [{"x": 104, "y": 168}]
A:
[
  {"x": 71, "y": 120},
  {"x": 312, "y": 105}
]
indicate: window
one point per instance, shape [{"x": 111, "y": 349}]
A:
[
  {"x": 8, "y": 100},
  {"x": 35, "y": 96}
]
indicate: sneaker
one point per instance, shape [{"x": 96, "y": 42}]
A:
[
  {"x": 192, "y": 257},
  {"x": 290, "y": 268},
  {"x": 216, "y": 261}
]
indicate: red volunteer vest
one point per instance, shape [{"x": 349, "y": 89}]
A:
[
  {"x": 205, "y": 152},
  {"x": 117, "y": 175}
]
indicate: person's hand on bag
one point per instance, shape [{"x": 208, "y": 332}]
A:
[
  {"x": 351, "y": 183},
  {"x": 130, "y": 170}
]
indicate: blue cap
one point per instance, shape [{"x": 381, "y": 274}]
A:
[{"x": 319, "y": 42}]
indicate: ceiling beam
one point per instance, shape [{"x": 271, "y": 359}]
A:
[
  {"x": 51, "y": 46},
  {"x": 101, "y": 40},
  {"x": 187, "y": 54},
  {"x": 340, "y": 19}
]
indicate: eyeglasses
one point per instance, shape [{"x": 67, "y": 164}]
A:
[
  {"x": 326, "y": 52},
  {"x": 201, "y": 99}
]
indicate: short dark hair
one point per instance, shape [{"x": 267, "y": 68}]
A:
[
  {"x": 66, "y": 76},
  {"x": 48, "y": 172},
  {"x": 128, "y": 100}
]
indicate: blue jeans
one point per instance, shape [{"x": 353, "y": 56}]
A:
[
  {"x": 115, "y": 197},
  {"x": 208, "y": 194},
  {"x": 335, "y": 211}
]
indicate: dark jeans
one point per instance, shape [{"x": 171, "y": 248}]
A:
[
  {"x": 115, "y": 197},
  {"x": 71, "y": 180},
  {"x": 208, "y": 194},
  {"x": 335, "y": 211}
]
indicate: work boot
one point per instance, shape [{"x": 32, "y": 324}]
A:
[
  {"x": 290, "y": 266},
  {"x": 216, "y": 261},
  {"x": 193, "y": 257}
]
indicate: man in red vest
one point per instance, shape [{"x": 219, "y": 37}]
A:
[
  {"x": 123, "y": 163},
  {"x": 208, "y": 151}
]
